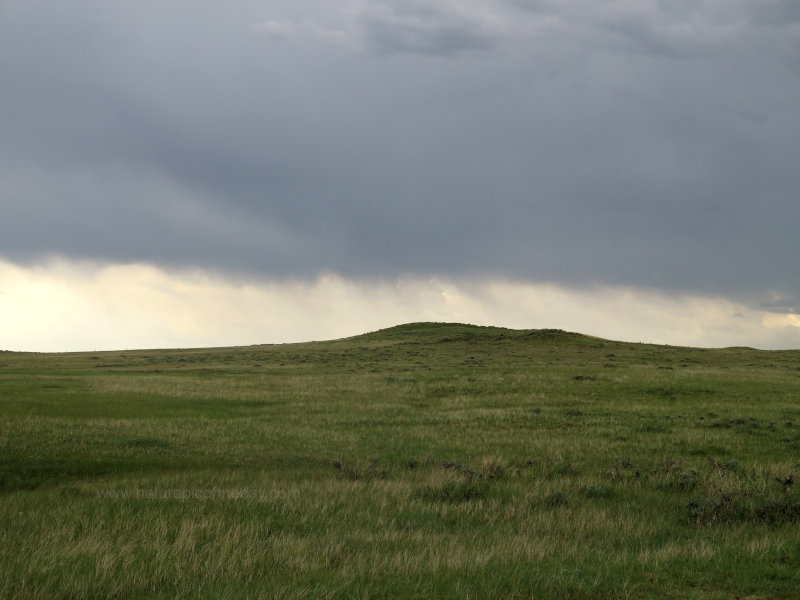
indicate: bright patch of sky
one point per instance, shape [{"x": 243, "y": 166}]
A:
[{"x": 61, "y": 306}]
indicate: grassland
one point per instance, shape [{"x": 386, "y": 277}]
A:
[{"x": 426, "y": 460}]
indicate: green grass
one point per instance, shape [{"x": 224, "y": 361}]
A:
[{"x": 425, "y": 460}]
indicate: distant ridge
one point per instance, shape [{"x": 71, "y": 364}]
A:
[{"x": 444, "y": 332}]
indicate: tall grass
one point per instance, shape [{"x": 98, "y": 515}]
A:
[{"x": 426, "y": 460}]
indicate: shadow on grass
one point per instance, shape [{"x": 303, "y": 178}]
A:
[{"x": 33, "y": 474}]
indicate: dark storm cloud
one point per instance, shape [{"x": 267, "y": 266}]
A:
[
  {"x": 423, "y": 28},
  {"x": 626, "y": 142},
  {"x": 776, "y": 12}
]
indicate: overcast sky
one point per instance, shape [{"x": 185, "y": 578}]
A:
[{"x": 640, "y": 145}]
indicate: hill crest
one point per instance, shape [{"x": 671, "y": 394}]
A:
[{"x": 446, "y": 331}]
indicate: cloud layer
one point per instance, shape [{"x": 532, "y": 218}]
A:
[{"x": 621, "y": 142}]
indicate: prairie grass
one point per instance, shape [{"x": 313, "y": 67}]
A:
[{"x": 426, "y": 460}]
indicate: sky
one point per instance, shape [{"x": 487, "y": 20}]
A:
[{"x": 177, "y": 173}]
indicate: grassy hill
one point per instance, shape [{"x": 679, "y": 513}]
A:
[{"x": 427, "y": 460}]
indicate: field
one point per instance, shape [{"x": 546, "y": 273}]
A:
[{"x": 425, "y": 460}]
